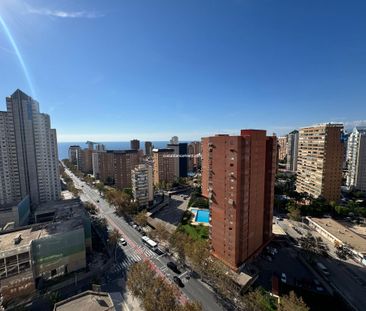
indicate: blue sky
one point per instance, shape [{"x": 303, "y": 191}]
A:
[{"x": 120, "y": 69}]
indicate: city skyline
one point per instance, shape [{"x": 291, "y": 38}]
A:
[{"x": 198, "y": 72}]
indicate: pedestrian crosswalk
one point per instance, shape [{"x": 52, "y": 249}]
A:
[
  {"x": 148, "y": 252},
  {"x": 124, "y": 263}
]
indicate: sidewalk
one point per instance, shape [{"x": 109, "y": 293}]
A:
[{"x": 131, "y": 303}]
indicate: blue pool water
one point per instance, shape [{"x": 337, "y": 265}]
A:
[{"x": 203, "y": 216}]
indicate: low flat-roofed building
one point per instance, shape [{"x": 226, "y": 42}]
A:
[
  {"x": 86, "y": 301},
  {"x": 337, "y": 233},
  {"x": 45, "y": 250},
  {"x": 15, "y": 215}
]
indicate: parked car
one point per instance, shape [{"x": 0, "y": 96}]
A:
[
  {"x": 318, "y": 286},
  {"x": 172, "y": 266},
  {"x": 122, "y": 242},
  {"x": 283, "y": 277},
  {"x": 178, "y": 281}
]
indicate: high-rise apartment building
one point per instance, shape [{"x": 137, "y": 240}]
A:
[
  {"x": 74, "y": 154},
  {"x": 28, "y": 153},
  {"x": 175, "y": 156},
  {"x": 135, "y": 144},
  {"x": 174, "y": 140},
  {"x": 194, "y": 153},
  {"x": 115, "y": 166},
  {"x": 148, "y": 148},
  {"x": 292, "y": 150},
  {"x": 143, "y": 185},
  {"x": 356, "y": 159},
  {"x": 124, "y": 162},
  {"x": 282, "y": 148},
  {"x": 85, "y": 160},
  {"x": 238, "y": 174},
  {"x": 164, "y": 165},
  {"x": 319, "y": 161},
  {"x": 183, "y": 159}
]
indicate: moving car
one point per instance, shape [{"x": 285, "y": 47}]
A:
[
  {"x": 122, "y": 242},
  {"x": 178, "y": 281},
  {"x": 172, "y": 266}
]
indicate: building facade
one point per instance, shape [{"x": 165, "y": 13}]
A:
[
  {"x": 292, "y": 150},
  {"x": 55, "y": 246},
  {"x": 28, "y": 153},
  {"x": 164, "y": 166},
  {"x": 115, "y": 166},
  {"x": 74, "y": 154},
  {"x": 319, "y": 161},
  {"x": 148, "y": 148},
  {"x": 238, "y": 174},
  {"x": 282, "y": 148},
  {"x": 143, "y": 185},
  {"x": 194, "y": 153},
  {"x": 135, "y": 144},
  {"x": 356, "y": 159}
]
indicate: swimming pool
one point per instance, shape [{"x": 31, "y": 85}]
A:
[{"x": 203, "y": 216}]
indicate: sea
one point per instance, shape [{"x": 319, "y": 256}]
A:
[{"x": 63, "y": 148}]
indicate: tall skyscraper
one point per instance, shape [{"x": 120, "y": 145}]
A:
[
  {"x": 148, "y": 148},
  {"x": 143, "y": 185},
  {"x": 238, "y": 174},
  {"x": 292, "y": 150},
  {"x": 194, "y": 152},
  {"x": 28, "y": 153},
  {"x": 115, "y": 166},
  {"x": 319, "y": 161},
  {"x": 282, "y": 148},
  {"x": 74, "y": 154},
  {"x": 135, "y": 144},
  {"x": 356, "y": 159},
  {"x": 164, "y": 166},
  {"x": 174, "y": 140}
]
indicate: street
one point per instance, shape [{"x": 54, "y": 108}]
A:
[
  {"x": 346, "y": 276},
  {"x": 135, "y": 250}
]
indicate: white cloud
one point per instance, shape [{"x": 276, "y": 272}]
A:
[
  {"x": 64, "y": 14},
  {"x": 351, "y": 124}
]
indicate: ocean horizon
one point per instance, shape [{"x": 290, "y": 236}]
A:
[{"x": 63, "y": 147}]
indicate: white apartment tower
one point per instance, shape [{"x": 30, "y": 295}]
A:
[
  {"x": 356, "y": 159},
  {"x": 142, "y": 184},
  {"x": 28, "y": 153}
]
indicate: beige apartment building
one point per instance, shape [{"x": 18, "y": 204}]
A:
[
  {"x": 282, "y": 147},
  {"x": 319, "y": 162},
  {"x": 164, "y": 165}
]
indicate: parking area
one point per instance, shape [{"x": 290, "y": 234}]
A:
[
  {"x": 284, "y": 263},
  {"x": 178, "y": 204}
]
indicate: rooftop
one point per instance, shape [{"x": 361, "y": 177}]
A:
[
  {"x": 86, "y": 301},
  {"x": 7, "y": 240},
  {"x": 342, "y": 233}
]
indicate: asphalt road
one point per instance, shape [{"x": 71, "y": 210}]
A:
[
  {"x": 348, "y": 277},
  {"x": 135, "y": 251}
]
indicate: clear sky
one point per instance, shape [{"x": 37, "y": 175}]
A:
[{"x": 110, "y": 70}]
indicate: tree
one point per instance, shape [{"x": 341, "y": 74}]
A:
[
  {"x": 292, "y": 303},
  {"x": 90, "y": 208},
  {"x": 139, "y": 278},
  {"x": 259, "y": 300},
  {"x": 162, "y": 296},
  {"x": 100, "y": 187},
  {"x": 191, "y": 306},
  {"x": 141, "y": 219},
  {"x": 313, "y": 246},
  {"x": 178, "y": 241},
  {"x": 160, "y": 233},
  {"x": 114, "y": 237},
  {"x": 294, "y": 213},
  {"x": 199, "y": 253}
]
